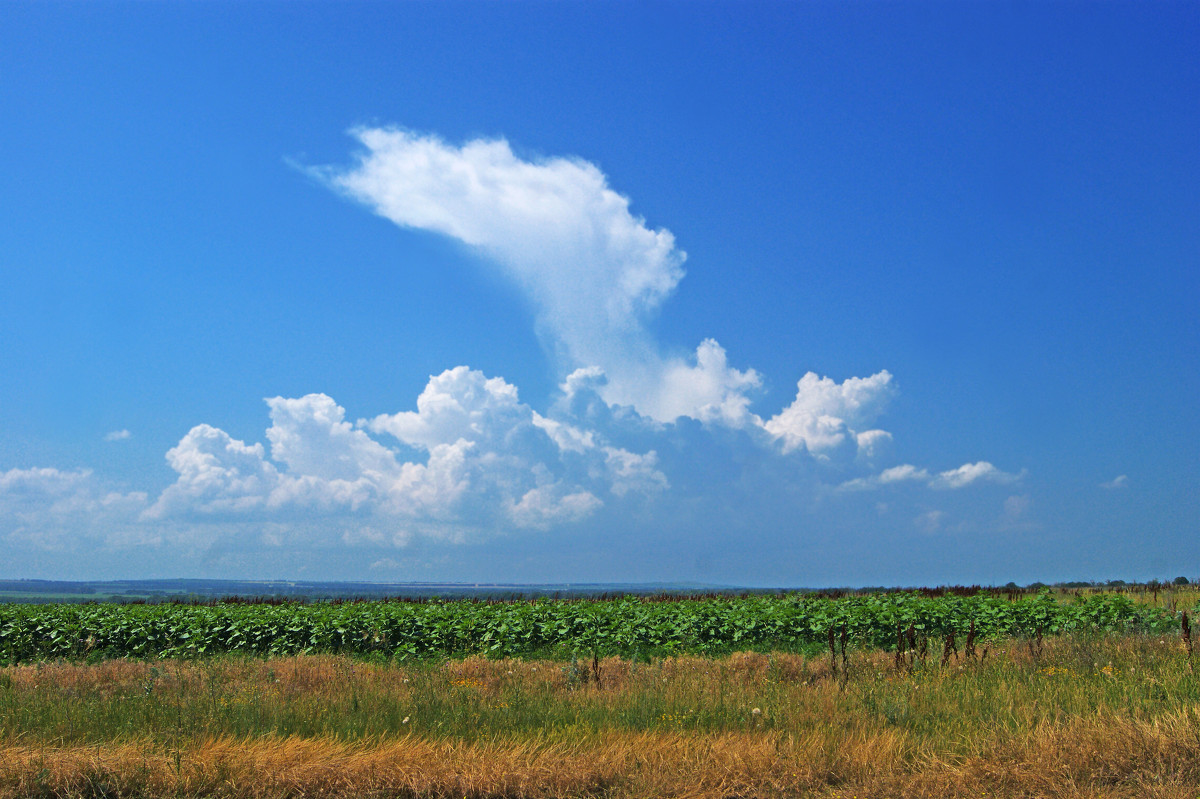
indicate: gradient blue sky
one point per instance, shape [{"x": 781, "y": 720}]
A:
[{"x": 976, "y": 224}]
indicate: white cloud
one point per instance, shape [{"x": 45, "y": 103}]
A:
[
  {"x": 708, "y": 389},
  {"x": 118, "y": 435},
  {"x": 874, "y": 446},
  {"x": 567, "y": 437},
  {"x": 48, "y": 508},
  {"x": 35, "y": 490},
  {"x": 553, "y": 224},
  {"x": 1118, "y": 482},
  {"x": 460, "y": 403},
  {"x": 490, "y": 462},
  {"x": 546, "y": 505},
  {"x": 903, "y": 473},
  {"x": 217, "y": 474},
  {"x": 310, "y": 436},
  {"x": 593, "y": 271},
  {"x": 824, "y": 417},
  {"x": 629, "y": 471},
  {"x": 970, "y": 473},
  {"x": 963, "y": 476}
]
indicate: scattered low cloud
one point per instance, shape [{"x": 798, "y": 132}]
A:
[
  {"x": 1117, "y": 483},
  {"x": 118, "y": 435},
  {"x": 902, "y": 474},
  {"x": 961, "y": 477},
  {"x": 969, "y": 473}
]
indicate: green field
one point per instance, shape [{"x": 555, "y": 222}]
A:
[{"x": 626, "y": 626}]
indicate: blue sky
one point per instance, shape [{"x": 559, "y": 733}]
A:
[{"x": 760, "y": 294}]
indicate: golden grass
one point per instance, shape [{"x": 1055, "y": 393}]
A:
[
  {"x": 1102, "y": 718},
  {"x": 1094, "y": 758}
]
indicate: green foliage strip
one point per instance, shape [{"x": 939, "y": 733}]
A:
[{"x": 625, "y": 627}]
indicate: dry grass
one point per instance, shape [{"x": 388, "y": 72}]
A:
[
  {"x": 1094, "y": 758},
  {"x": 1085, "y": 718}
]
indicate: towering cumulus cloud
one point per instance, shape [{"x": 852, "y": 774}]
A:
[{"x": 593, "y": 270}]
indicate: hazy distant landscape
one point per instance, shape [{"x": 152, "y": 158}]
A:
[
  {"x": 183, "y": 590},
  {"x": 309, "y": 591}
]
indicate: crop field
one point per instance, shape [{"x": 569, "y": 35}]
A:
[
  {"x": 630, "y": 627},
  {"x": 888, "y": 695}
]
